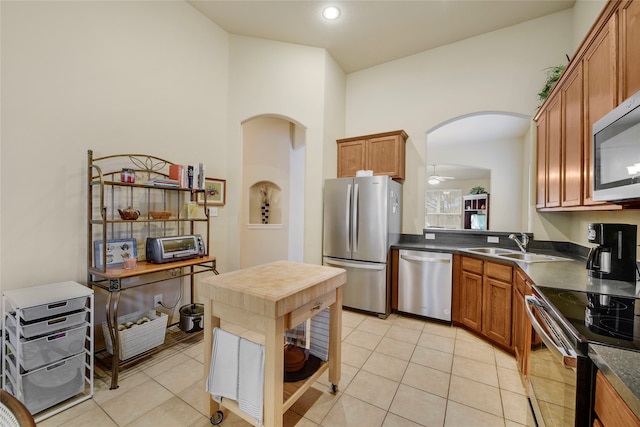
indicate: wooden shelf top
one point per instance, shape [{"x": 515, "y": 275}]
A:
[{"x": 147, "y": 268}]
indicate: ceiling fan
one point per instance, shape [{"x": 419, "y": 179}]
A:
[{"x": 437, "y": 179}]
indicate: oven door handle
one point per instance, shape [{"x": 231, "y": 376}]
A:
[{"x": 558, "y": 344}]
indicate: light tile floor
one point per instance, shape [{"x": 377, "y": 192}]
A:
[{"x": 397, "y": 372}]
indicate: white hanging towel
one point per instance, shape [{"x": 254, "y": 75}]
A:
[{"x": 237, "y": 372}]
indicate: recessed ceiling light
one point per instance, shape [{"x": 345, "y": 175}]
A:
[{"x": 331, "y": 12}]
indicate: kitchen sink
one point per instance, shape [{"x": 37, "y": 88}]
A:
[
  {"x": 514, "y": 255},
  {"x": 490, "y": 251},
  {"x": 530, "y": 257}
]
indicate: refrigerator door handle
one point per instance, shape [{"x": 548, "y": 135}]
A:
[
  {"x": 347, "y": 218},
  {"x": 352, "y": 265},
  {"x": 356, "y": 221}
]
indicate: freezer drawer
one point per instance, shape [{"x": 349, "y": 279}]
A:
[
  {"x": 367, "y": 286},
  {"x": 425, "y": 283}
]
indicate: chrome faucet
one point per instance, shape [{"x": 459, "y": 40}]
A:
[{"x": 521, "y": 244}]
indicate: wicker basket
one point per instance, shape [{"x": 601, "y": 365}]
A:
[
  {"x": 160, "y": 214},
  {"x": 138, "y": 339}
]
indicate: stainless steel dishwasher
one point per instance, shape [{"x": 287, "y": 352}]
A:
[{"x": 424, "y": 283}]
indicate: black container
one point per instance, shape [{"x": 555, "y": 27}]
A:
[{"x": 191, "y": 317}]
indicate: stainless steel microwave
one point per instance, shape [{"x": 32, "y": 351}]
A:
[{"x": 616, "y": 153}]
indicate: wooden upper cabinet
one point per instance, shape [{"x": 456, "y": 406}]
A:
[
  {"x": 541, "y": 167},
  {"x": 383, "y": 153},
  {"x": 554, "y": 149},
  {"x": 600, "y": 91},
  {"x": 351, "y": 157},
  {"x": 629, "y": 48},
  {"x": 604, "y": 72},
  {"x": 572, "y": 139}
]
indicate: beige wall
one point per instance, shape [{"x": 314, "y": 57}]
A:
[
  {"x": 300, "y": 84},
  {"x": 115, "y": 77},
  {"x": 159, "y": 78},
  {"x": 500, "y": 71},
  {"x": 266, "y": 150}
]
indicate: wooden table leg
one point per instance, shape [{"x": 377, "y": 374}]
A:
[
  {"x": 274, "y": 372},
  {"x": 335, "y": 340}
]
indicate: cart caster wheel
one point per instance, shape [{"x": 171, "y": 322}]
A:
[
  {"x": 216, "y": 418},
  {"x": 334, "y": 388}
]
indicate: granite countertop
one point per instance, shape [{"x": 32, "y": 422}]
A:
[{"x": 618, "y": 365}]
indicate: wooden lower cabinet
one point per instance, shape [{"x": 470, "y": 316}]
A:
[
  {"x": 485, "y": 289},
  {"x": 522, "y": 330},
  {"x": 610, "y": 409}
]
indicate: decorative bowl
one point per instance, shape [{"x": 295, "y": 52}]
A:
[
  {"x": 160, "y": 214},
  {"x": 129, "y": 213}
]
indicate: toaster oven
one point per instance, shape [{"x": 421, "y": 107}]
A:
[{"x": 167, "y": 249}]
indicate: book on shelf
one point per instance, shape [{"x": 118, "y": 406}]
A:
[
  {"x": 188, "y": 176},
  {"x": 164, "y": 182},
  {"x": 178, "y": 173}
]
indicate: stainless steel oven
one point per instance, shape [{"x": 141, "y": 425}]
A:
[
  {"x": 560, "y": 373},
  {"x": 561, "y": 376}
]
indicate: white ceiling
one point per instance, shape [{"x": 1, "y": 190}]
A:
[{"x": 373, "y": 32}]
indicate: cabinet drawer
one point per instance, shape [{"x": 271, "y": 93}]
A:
[
  {"x": 54, "y": 309},
  {"x": 50, "y": 385},
  {"x": 47, "y": 326},
  {"x": 499, "y": 271},
  {"x": 473, "y": 265},
  {"x": 42, "y": 351},
  {"x": 301, "y": 314}
]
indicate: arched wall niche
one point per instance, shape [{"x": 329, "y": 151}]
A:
[
  {"x": 265, "y": 203},
  {"x": 273, "y": 165}
]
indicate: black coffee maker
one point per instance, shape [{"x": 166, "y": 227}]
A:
[{"x": 615, "y": 257}]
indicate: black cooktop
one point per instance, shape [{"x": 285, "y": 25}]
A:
[{"x": 598, "y": 318}]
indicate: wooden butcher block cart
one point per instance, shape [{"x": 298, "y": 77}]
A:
[{"x": 270, "y": 299}]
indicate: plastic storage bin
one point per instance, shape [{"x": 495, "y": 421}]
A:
[
  {"x": 54, "y": 309},
  {"x": 140, "y": 338},
  {"x": 48, "y": 386},
  {"x": 48, "y": 349},
  {"x": 47, "y": 326}
]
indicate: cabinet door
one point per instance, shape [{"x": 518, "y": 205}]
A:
[
  {"x": 521, "y": 324},
  {"x": 629, "y": 15},
  {"x": 351, "y": 158},
  {"x": 496, "y": 311},
  {"x": 385, "y": 156},
  {"x": 554, "y": 149},
  {"x": 610, "y": 408},
  {"x": 471, "y": 300},
  {"x": 572, "y": 139},
  {"x": 541, "y": 155},
  {"x": 600, "y": 92}
]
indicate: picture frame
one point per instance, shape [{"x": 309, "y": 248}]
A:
[
  {"x": 216, "y": 190},
  {"x": 117, "y": 250}
]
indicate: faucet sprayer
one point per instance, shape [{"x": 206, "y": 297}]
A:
[{"x": 522, "y": 244}]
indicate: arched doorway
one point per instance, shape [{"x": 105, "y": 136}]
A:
[
  {"x": 485, "y": 150},
  {"x": 271, "y": 211}
]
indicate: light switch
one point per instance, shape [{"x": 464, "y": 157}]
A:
[{"x": 213, "y": 211}]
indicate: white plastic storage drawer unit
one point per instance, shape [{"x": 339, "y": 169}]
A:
[{"x": 47, "y": 358}]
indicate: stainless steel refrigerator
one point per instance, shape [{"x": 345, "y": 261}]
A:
[{"x": 362, "y": 219}]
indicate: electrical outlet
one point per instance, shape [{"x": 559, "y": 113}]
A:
[
  {"x": 213, "y": 211},
  {"x": 157, "y": 300}
]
